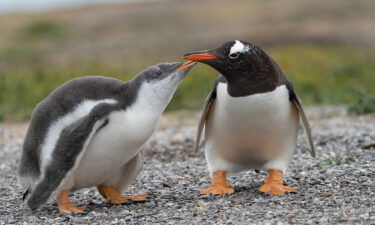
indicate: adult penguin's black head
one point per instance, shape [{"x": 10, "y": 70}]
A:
[{"x": 246, "y": 66}]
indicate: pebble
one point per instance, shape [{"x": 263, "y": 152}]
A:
[{"x": 79, "y": 220}]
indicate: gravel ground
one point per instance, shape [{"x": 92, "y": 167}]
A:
[{"x": 338, "y": 187}]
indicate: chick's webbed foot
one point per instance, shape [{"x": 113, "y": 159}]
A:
[
  {"x": 115, "y": 197},
  {"x": 66, "y": 206}
]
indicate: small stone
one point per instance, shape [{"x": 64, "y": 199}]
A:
[
  {"x": 32, "y": 218},
  {"x": 78, "y": 220},
  {"x": 202, "y": 204}
]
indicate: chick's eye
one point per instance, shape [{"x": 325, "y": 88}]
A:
[
  {"x": 234, "y": 55},
  {"x": 158, "y": 73}
]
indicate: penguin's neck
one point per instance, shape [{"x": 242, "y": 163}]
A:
[
  {"x": 240, "y": 89},
  {"x": 150, "y": 100},
  {"x": 250, "y": 82}
]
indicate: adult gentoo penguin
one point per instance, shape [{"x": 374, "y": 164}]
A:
[
  {"x": 251, "y": 117},
  {"x": 88, "y": 132}
]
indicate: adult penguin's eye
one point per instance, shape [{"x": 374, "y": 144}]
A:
[{"x": 234, "y": 55}]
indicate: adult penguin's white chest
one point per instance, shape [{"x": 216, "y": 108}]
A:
[
  {"x": 251, "y": 130},
  {"x": 115, "y": 144}
]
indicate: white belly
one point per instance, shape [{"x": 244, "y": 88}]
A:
[
  {"x": 113, "y": 146},
  {"x": 250, "y": 131}
]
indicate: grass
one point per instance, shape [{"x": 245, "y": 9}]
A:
[
  {"x": 339, "y": 160},
  {"x": 365, "y": 103},
  {"x": 322, "y": 75},
  {"x": 44, "y": 28},
  {"x": 328, "y": 75}
]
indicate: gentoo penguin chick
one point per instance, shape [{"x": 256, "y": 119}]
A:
[
  {"x": 89, "y": 131},
  {"x": 251, "y": 117}
]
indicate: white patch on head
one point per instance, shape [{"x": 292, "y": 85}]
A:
[
  {"x": 55, "y": 129},
  {"x": 239, "y": 47}
]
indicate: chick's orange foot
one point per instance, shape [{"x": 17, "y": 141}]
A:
[
  {"x": 66, "y": 206},
  {"x": 115, "y": 197}
]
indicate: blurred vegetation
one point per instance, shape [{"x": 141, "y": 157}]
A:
[
  {"x": 322, "y": 75},
  {"x": 365, "y": 103},
  {"x": 325, "y": 48},
  {"x": 340, "y": 160},
  {"x": 329, "y": 75},
  {"x": 43, "y": 28}
]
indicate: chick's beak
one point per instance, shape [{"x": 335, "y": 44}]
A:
[
  {"x": 186, "y": 65},
  {"x": 199, "y": 56}
]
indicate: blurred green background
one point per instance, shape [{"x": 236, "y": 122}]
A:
[{"x": 325, "y": 47}]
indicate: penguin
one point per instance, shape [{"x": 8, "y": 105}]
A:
[
  {"x": 251, "y": 117},
  {"x": 88, "y": 133}
]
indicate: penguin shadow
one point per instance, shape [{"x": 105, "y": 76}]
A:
[
  {"x": 248, "y": 189},
  {"x": 103, "y": 204},
  {"x": 244, "y": 191},
  {"x": 253, "y": 190},
  {"x": 245, "y": 187},
  {"x": 249, "y": 184},
  {"x": 97, "y": 204}
]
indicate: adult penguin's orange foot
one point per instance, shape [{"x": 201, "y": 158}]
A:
[
  {"x": 219, "y": 185},
  {"x": 66, "y": 206},
  {"x": 115, "y": 197},
  {"x": 273, "y": 184}
]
